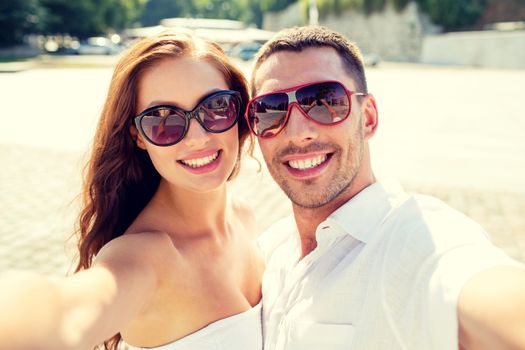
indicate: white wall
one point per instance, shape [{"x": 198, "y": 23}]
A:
[
  {"x": 409, "y": 35},
  {"x": 391, "y": 34},
  {"x": 482, "y": 49},
  {"x": 289, "y": 17}
]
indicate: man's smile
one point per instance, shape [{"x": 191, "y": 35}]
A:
[{"x": 307, "y": 165}]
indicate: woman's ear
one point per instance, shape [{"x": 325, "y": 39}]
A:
[
  {"x": 370, "y": 116},
  {"x": 137, "y": 137}
]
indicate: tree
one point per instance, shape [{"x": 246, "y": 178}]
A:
[
  {"x": 454, "y": 14},
  {"x": 451, "y": 14},
  {"x": 400, "y": 4},
  {"x": 18, "y": 18},
  {"x": 88, "y": 18},
  {"x": 124, "y": 13},
  {"x": 248, "y": 11},
  {"x": 226, "y": 9},
  {"x": 252, "y": 13},
  {"x": 275, "y": 5},
  {"x": 155, "y": 10}
]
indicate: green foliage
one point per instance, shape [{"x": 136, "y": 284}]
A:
[
  {"x": 84, "y": 18},
  {"x": 373, "y": 6},
  {"x": 400, "y": 4},
  {"x": 252, "y": 12},
  {"x": 275, "y": 5},
  {"x": 453, "y": 14},
  {"x": 78, "y": 18},
  {"x": 366, "y": 6},
  {"x": 17, "y": 18},
  {"x": 226, "y": 9},
  {"x": 87, "y": 18},
  {"x": 155, "y": 10},
  {"x": 336, "y": 6},
  {"x": 246, "y": 10},
  {"x": 125, "y": 13}
]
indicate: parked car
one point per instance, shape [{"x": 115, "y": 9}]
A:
[
  {"x": 97, "y": 45},
  {"x": 371, "y": 59},
  {"x": 245, "y": 51}
]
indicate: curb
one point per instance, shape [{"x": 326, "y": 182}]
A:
[{"x": 14, "y": 67}]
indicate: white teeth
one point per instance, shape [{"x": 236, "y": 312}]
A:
[
  {"x": 198, "y": 162},
  {"x": 307, "y": 163}
]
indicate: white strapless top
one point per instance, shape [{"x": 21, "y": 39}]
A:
[{"x": 242, "y": 331}]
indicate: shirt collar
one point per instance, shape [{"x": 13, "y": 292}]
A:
[{"x": 360, "y": 216}]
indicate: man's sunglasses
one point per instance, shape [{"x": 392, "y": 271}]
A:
[
  {"x": 165, "y": 125},
  {"x": 325, "y": 102}
]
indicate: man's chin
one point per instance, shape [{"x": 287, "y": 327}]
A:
[
  {"x": 314, "y": 193},
  {"x": 307, "y": 200}
]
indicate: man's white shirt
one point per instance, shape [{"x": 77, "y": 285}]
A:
[{"x": 386, "y": 274}]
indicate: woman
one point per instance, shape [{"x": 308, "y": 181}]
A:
[{"x": 167, "y": 258}]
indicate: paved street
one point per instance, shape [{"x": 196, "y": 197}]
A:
[{"x": 450, "y": 132}]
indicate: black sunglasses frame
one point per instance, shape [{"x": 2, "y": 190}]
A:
[{"x": 188, "y": 115}]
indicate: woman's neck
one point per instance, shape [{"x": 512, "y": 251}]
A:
[{"x": 194, "y": 213}]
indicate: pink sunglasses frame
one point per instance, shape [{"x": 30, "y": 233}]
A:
[{"x": 292, "y": 100}]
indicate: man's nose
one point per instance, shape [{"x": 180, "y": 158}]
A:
[
  {"x": 197, "y": 136},
  {"x": 299, "y": 128}
]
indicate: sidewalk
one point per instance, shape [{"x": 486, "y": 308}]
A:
[
  {"x": 38, "y": 208},
  {"x": 60, "y": 61},
  {"x": 14, "y": 67}
]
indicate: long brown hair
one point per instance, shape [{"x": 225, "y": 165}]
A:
[{"x": 119, "y": 177}]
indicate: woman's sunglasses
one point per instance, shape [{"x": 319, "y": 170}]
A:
[
  {"x": 165, "y": 125},
  {"x": 325, "y": 102}
]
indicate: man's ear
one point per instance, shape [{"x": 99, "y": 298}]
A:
[
  {"x": 370, "y": 116},
  {"x": 137, "y": 137}
]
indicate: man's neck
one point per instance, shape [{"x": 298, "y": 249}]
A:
[{"x": 308, "y": 219}]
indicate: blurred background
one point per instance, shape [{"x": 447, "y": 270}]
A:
[{"x": 448, "y": 76}]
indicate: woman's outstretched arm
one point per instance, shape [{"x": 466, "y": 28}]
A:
[{"x": 83, "y": 310}]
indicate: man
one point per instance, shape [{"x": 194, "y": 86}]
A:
[{"x": 362, "y": 264}]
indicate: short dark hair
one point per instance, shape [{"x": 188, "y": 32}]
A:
[{"x": 297, "y": 39}]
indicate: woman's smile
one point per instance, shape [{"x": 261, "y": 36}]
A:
[{"x": 202, "y": 164}]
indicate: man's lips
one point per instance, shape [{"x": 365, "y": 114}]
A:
[
  {"x": 307, "y": 164},
  {"x": 301, "y": 156}
]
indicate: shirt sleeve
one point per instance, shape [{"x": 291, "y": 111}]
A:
[
  {"x": 451, "y": 271},
  {"x": 436, "y": 250}
]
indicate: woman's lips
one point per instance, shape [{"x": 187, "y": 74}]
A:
[{"x": 202, "y": 162}]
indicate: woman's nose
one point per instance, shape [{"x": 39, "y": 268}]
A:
[{"x": 197, "y": 136}]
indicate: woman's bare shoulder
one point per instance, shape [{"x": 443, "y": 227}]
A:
[
  {"x": 142, "y": 238},
  {"x": 154, "y": 247}
]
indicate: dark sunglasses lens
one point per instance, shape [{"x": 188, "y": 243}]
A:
[
  {"x": 326, "y": 103},
  {"x": 267, "y": 114},
  {"x": 219, "y": 113},
  {"x": 163, "y": 126}
]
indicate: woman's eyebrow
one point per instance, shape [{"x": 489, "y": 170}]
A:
[{"x": 160, "y": 103}]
